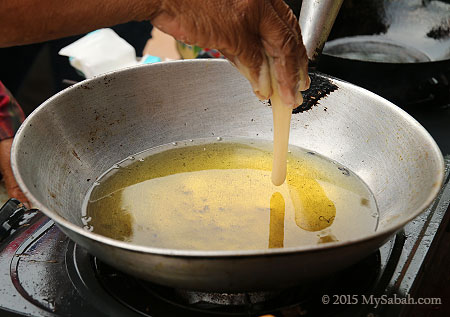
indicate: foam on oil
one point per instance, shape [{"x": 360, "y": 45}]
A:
[{"x": 217, "y": 194}]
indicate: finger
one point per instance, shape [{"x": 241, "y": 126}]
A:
[
  {"x": 286, "y": 49},
  {"x": 304, "y": 84},
  {"x": 257, "y": 71},
  {"x": 171, "y": 25},
  {"x": 283, "y": 11},
  {"x": 286, "y": 15},
  {"x": 228, "y": 56}
]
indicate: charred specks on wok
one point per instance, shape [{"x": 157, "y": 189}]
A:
[
  {"x": 319, "y": 88},
  {"x": 85, "y": 87},
  {"x": 266, "y": 102},
  {"x": 440, "y": 32}
]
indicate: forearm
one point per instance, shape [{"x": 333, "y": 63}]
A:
[
  {"x": 5, "y": 168},
  {"x": 5, "y": 164},
  {"x": 30, "y": 21}
]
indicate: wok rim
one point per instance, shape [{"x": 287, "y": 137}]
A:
[
  {"x": 381, "y": 234},
  {"x": 376, "y": 39}
]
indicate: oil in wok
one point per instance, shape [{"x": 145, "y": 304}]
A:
[{"x": 218, "y": 195}]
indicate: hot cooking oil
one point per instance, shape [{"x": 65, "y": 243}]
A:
[{"x": 217, "y": 194}]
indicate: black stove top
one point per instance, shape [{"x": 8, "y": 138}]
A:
[{"x": 43, "y": 273}]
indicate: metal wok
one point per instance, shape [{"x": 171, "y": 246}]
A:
[
  {"x": 398, "y": 49},
  {"x": 77, "y": 134}
]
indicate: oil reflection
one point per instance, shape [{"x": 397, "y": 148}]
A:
[
  {"x": 119, "y": 223},
  {"x": 327, "y": 239},
  {"x": 276, "y": 229},
  {"x": 314, "y": 211}
]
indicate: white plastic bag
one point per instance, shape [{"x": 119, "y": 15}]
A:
[{"x": 99, "y": 52}]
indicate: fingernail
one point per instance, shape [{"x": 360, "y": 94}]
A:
[
  {"x": 298, "y": 98},
  {"x": 264, "y": 81},
  {"x": 260, "y": 96},
  {"x": 305, "y": 83}
]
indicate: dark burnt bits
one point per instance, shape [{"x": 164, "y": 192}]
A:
[
  {"x": 441, "y": 32},
  {"x": 320, "y": 87}
]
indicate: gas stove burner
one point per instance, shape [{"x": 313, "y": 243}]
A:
[
  {"x": 227, "y": 299},
  {"x": 374, "y": 49},
  {"x": 90, "y": 274}
]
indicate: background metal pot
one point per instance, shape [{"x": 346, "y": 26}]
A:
[
  {"x": 77, "y": 134},
  {"x": 397, "y": 49}
]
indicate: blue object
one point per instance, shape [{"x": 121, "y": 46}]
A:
[
  {"x": 151, "y": 59},
  {"x": 93, "y": 32}
]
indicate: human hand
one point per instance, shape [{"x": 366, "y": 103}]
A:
[
  {"x": 12, "y": 188},
  {"x": 262, "y": 38},
  {"x": 14, "y": 191}
]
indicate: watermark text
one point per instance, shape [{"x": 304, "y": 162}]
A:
[{"x": 375, "y": 302}]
